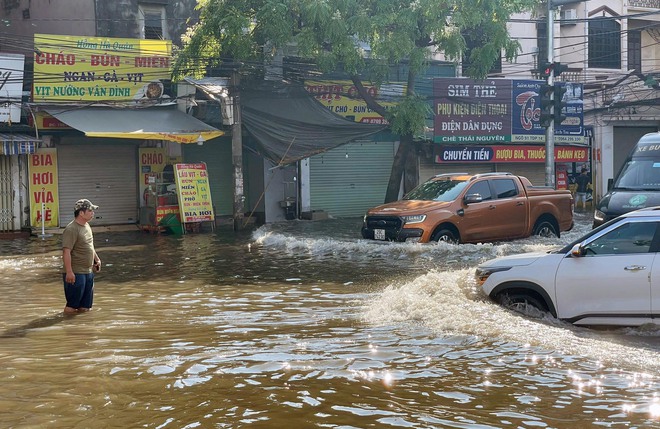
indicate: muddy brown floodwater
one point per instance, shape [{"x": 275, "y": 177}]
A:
[{"x": 301, "y": 325}]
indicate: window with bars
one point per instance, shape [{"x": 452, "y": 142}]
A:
[
  {"x": 604, "y": 43},
  {"x": 635, "y": 50},
  {"x": 152, "y": 22}
]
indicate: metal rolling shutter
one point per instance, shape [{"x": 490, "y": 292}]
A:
[
  {"x": 6, "y": 195},
  {"x": 348, "y": 180},
  {"x": 106, "y": 175},
  {"x": 218, "y": 158},
  {"x": 535, "y": 172}
]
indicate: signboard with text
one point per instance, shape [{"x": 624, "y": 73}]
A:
[
  {"x": 513, "y": 153},
  {"x": 11, "y": 87},
  {"x": 42, "y": 176},
  {"x": 492, "y": 111},
  {"x": 194, "y": 191},
  {"x": 77, "y": 68},
  {"x": 341, "y": 97}
]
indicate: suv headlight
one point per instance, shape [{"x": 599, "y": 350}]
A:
[
  {"x": 414, "y": 218},
  {"x": 599, "y": 215},
  {"x": 483, "y": 273}
]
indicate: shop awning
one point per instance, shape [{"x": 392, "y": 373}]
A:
[
  {"x": 153, "y": 123},
  {"x": 17, "y": 144}
]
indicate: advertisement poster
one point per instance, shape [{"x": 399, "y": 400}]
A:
[
  {"x": 83, "y": 68},
  {"x": 152, "y": 163},
  {"x": 42, "y": 172},
  {"x": 341, "y": 97},
  {"x": 11, "y": 87},
  {"x": 526, "y": 126},
  {"x": 513, "y": 153},
  {"x": 492, "y": 111},
  {"x": 192, "y": 183}
]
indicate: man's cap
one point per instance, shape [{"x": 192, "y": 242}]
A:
[{"x": 84, "y": 204}]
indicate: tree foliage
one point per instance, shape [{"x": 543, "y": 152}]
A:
[{"x": 334, "y": 33}]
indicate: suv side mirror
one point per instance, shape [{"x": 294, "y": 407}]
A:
[
  {"x": 472, "y": 198},
  {"x": 610, "y": 182},
  {"x": 577, "y": 251}
]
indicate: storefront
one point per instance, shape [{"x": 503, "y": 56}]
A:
[
  {"x": 104, "y": 165},
  {"x": 99, "y": 106}
]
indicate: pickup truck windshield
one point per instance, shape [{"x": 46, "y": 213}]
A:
[
  {"x": 437, "y": 190},
  {"x": 640, "y": 174}
]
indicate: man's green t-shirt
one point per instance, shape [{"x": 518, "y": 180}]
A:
[{"x": 80, "y": 240}]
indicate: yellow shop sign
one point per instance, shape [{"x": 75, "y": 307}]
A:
[{"x": 81, "y": 68}]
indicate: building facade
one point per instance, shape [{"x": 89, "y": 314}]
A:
[{"x": 611, "y": 49}]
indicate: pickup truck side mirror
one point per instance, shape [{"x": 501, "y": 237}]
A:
[
  {"x": 472, "y": 198},
  {"x": 577, "y": 251}
]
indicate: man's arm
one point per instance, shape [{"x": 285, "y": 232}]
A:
[
  {"x": 66, "y": 257},
  {"x": 97, "y": 262}
]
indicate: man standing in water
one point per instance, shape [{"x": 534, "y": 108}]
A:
[{"x": 80, "y": 259}]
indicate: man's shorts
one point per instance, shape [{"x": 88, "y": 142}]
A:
[{"x": 81, "y": 293}]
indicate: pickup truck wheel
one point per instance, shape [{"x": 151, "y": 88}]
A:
[
  {"x": 522, "y": 303},
  {"x": 545, "y": 229},
  {"x": 445, "y": 235}
]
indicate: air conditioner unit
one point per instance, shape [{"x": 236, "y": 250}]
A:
[{"x": 567, "y": 15}]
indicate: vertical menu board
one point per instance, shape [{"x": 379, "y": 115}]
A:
[
  {"x": 194, "y": 192},
  {"x": 44, "y": 197}
]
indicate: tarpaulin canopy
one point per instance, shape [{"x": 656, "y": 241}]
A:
[
  {"x": 289, "y": 124},
  {"x": 286, "y": 122},
  {"x": 17, "y": 144},
  {"x": 152, "y": 123}
]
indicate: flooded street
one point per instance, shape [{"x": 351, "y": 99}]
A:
[{"x": 303, "y": 324}]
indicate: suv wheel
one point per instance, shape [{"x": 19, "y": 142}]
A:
[{"x": 522, "y": 303}]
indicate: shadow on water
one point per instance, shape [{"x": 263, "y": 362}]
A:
[{"x": 42, "y": 322}]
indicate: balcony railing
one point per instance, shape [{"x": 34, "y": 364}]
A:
[{"x": 651, "y": 4}]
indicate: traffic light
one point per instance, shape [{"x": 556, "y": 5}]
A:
[
  {"x": 558, "y": 103},
  {"x": 545, "y": 68},
  {"x": 546, "y": 91},
  {"x": 559, "y": 68}
]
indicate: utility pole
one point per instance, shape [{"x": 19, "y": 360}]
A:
[
  {"x": 237, "y": 152},
  {"x": 550, "y": 130}
]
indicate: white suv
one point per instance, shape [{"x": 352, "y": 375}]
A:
[{"x": 611, "y": 276}]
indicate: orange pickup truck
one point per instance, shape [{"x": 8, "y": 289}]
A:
[{"x": 464, "y": 208}]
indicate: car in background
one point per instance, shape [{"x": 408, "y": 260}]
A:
[
  {"x": 466, "y": 208},
  {"x": 610, "y": 276},
  {"x": 637, "y": 184}
]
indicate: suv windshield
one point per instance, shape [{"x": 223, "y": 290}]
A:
[
  {"x": 640, "y": 174},
  {"x": 437, "y": 190}
]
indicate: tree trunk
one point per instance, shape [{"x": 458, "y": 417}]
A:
[
  {"x": 411, "y": 177},
  {"x": 400, "y": 166}
]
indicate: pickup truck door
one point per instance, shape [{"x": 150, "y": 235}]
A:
[
  {"x": 510, "y": 217},
  {"x": 611, "y": 283},
  {"x": 475, "y": 222}
]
